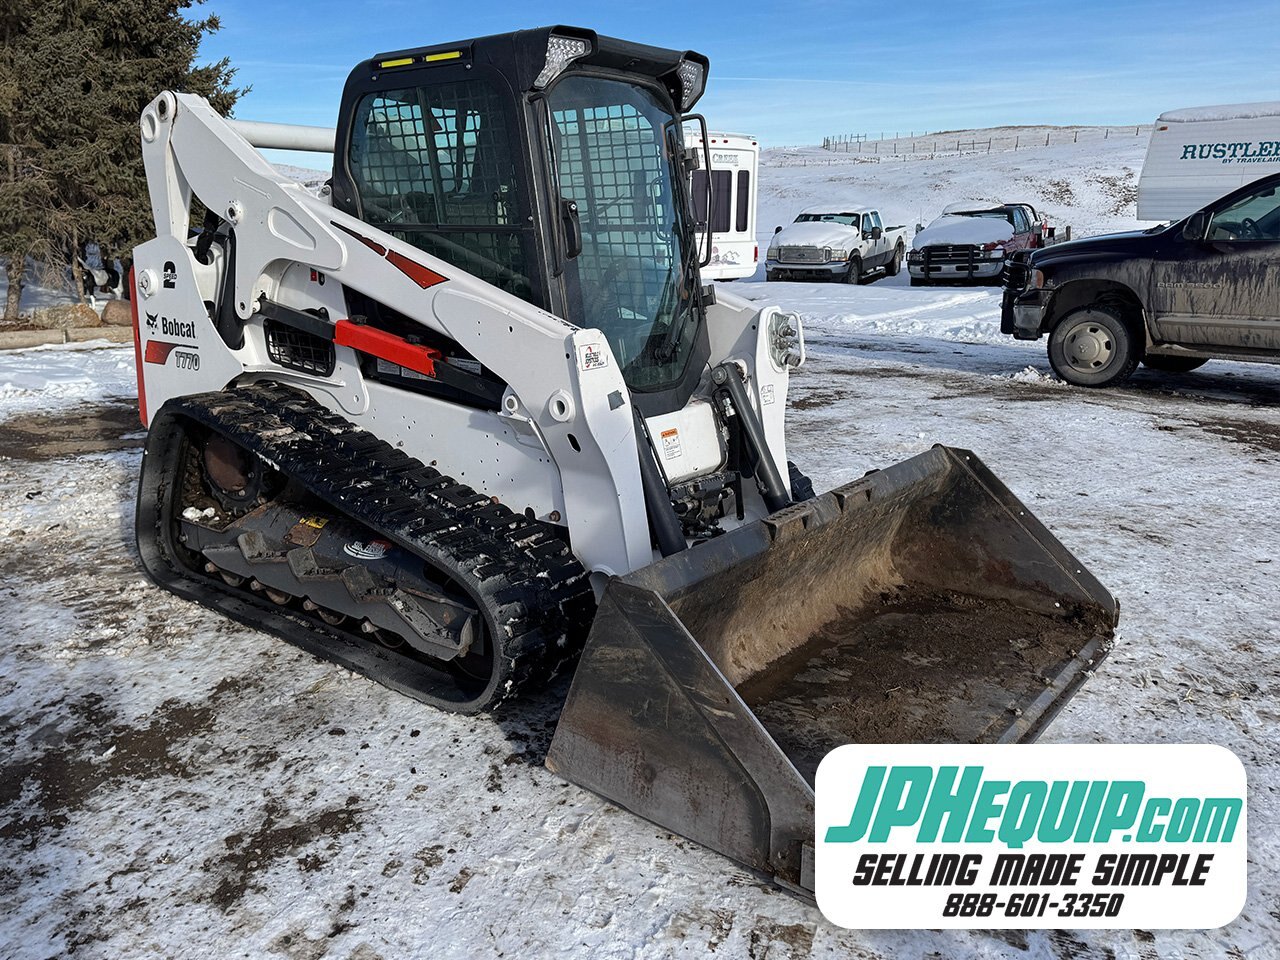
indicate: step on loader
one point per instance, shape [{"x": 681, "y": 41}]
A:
[{"x": 469, "y": 419}]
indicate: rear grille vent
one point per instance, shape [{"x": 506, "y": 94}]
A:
[{"x": 298, "y": 350}]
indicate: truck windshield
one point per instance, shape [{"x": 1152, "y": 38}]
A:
[
  {"x": 617, "y": 150},
  {"x": 848, "y": 219},
  {"x": 1006, "y": 215}
]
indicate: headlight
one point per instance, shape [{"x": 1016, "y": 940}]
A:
[
  {"x": 838, "y": 255},
  {"x": 915, "y": 255},
  {"x": 771, "y": 253}
]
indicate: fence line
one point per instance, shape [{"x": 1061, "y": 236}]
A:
[{"x": 939, "y": 144}]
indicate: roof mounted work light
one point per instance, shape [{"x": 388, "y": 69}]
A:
[
  {"x": 561, "y": 51},
  {"x": 693, "y": 76}
]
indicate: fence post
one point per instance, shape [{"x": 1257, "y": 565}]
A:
[
  {"x": 1046, "y": 139},
  {"x": 1106, "y": 133},
  {"x": 1015, "y": 143},
  {"x": 1076, "y": 138}
]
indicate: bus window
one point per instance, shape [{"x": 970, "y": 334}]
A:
[
  {"x": 721, "y": 185},
  {"x": 744, "y": 200}
]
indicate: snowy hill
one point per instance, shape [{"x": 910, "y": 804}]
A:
[{"x": 1086, "y": 177}]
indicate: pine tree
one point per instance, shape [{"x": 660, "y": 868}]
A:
[{"x": 74, "y": 78}]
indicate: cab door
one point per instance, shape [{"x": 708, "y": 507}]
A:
[
  {"x": 1223, "y": 290},
  {"x": 877, "y": 249}
]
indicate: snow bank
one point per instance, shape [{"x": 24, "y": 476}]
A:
[
  {"x": 974, "y": 230},
  {"x": 1225, "y": 111},
  {"x": 57, "y": 376}
]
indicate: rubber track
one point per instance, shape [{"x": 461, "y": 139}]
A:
[{"x": 534, "y": 589}]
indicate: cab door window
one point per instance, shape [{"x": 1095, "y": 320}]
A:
[
  {"x": 1254, "y": 217},
  {"x": 434, "y": 165}
]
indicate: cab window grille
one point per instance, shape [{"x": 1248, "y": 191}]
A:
[
  {"x": 607, "y": 158},
  {"x": 434, "y": 166},
  {"x": 298, "y": 350}
]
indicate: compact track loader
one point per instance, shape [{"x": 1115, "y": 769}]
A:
[{"x": 470, "y": 416}]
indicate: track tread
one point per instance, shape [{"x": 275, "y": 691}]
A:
[{"x": 528, "y": 578}]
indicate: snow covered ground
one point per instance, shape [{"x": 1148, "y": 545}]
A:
[
  {"x": 1090, "y": 185},
  {"x": 174, "y": 784}
]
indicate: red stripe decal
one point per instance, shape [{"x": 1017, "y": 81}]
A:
[
  {"x": 387, "y": 346},
  {"x": 137, "y": 350},
  {"x": 416, "y": 272},
  {"x": 158, "y": 351},
  {"x": 423, "y": 276}
]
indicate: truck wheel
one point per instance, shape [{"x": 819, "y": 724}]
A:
[
  {"x": 1093, "y": 347},
  {"x": 895, "y": 264},
  {"x": 854, "y": 273},
  {"x": 1173, "y": 364}
]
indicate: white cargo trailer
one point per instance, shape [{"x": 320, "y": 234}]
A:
[
  {"x": 1199, "y": 154},
  {"x": 735, "y": 159}
]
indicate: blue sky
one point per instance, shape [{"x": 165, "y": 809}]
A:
[{"x": 793, "y": 71}]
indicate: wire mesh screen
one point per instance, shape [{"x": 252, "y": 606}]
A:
[
  {"x": 434, "y": 165},
  {"x": 297, "y": 349}
]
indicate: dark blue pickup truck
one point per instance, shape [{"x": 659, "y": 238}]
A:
[{"x": 1172, "y": 297}]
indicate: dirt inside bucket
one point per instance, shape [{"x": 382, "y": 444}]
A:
[{"x": 911, "y": 667}]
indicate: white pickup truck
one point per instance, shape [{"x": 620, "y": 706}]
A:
[{"x": 836, "y": 241}]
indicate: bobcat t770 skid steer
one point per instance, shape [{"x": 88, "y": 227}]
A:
[{"x": 470, "y": 416}]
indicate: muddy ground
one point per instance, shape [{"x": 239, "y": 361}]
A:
[{"x": 173, "y": 784}]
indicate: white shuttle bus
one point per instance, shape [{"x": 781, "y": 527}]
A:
[
  {"x": 1199, "y": 154},
  {"x": 735, "y": 161}
]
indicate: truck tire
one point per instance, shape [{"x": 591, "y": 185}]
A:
[
  {"x": 895, "y": 262},
  {"x": 1092, "y": 346},
  {"x": 854, "y": 273},
  {"x": 1173, "y": 364}
]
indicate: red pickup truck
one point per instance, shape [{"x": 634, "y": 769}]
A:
[{"x": 970, "y": 241}]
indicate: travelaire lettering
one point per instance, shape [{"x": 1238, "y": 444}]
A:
[
  {"x": 1227, "y": 152},
  {"x": 178, "y": 328}
]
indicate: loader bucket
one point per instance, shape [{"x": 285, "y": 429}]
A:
[{"x": 922, "y": 603}]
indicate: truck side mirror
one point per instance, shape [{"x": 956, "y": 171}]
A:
[
  {"x": 776, "y": 231},
  {"x": 1197, "y": 226},
  {"x": 876, "y": 233},
  {"x": 919, "y": 227}
]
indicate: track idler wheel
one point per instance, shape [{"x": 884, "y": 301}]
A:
[{"x": 232, "y": 473}]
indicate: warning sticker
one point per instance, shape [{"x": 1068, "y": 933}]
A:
[
  {"x": 766, "y": 394},
  {"x": 592, "y": 356},
  {"x": 671, "y": 443}
]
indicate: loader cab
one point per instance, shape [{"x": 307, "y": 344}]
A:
[{"x": 551, "y": 164}]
